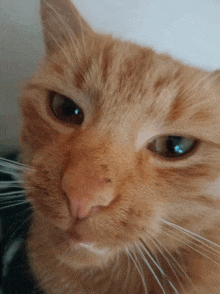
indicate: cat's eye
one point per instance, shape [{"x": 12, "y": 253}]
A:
[
  {"x": 173, "y": 146},
  {"x": 66, "y": 110}
]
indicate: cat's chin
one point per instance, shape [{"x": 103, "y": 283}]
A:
[
  {"x": 78, "y": 250},
  {"x": 86, "y": 254},
  {"x": 78, "y": 244}
]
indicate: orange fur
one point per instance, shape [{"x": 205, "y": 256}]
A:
[{"x": 123, "y": 89}]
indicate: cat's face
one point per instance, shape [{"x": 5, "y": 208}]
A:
[{"x": 121, "y": 139}]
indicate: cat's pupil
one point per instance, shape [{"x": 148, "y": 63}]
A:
[
  {"x": 174, "y": 145},
  {"x": 66, "y": 110}
]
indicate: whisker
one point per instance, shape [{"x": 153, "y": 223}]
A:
[
  {"x": 14, "y": 173},
  {"x": 150, "y": 268},
  {"x": 138, "y": 269},
  {"x": 9, "y": 254},
  {"x": 26, "y": 211},
  {"x": 6, "y": 187},
  {"x": 143, "y": 245},
  {"x": 10, "y": 182},
  {"x": 11, "y": 201},
  {"x": 12, "y": 198},
  {"x": 208, "y": 249},
  {"x": 12, "y": 193},
  {"x": 15, "y": 198},
  {"x": 189, "y": 232},
  {"x": 13, "y": 164},
  {"x": 176, "y": 292},
  {"x": 171, "y": 235},
  {"x": 172, "y": 265},
  {"x": 128, "y": 271},
  {"x": 12, "y": 205},
  {"x": 16, "y": 163},
  {"x": 177, "y": 265}
]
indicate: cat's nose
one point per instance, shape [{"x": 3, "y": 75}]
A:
[
  {"x": 84, "y": 208},
  {"x": 87, "y": 194}
]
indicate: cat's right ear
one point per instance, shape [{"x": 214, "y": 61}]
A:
[{"x": 61, "y": 22}]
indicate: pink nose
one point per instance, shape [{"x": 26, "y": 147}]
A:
[
  {"x": 87, "y": 195},
  {"x": 83, "y": 208}
]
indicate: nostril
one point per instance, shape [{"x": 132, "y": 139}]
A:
[
  {"x": 108, "y": 181},
  {"x": 81, "y": 209},
  {"x": 82, "y": 213}
]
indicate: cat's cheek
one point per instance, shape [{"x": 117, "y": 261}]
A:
[
  {"x": 213, "y": 189},
  {"x": 54, "y": 210},
  {"x": 58, "y": 219}
]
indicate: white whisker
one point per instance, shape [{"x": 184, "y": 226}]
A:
[
  {"x": 176, "y": 292},
  {"x": 15, "y": 174},
  {"x": 128, "y": 271},
  {"x": 6, "y": 187},
  {"x": 10, "y": 182},
  {"x": 189, "y": 232},
  {"x": 172, "y": 265},
  {"x": 151, "y": 269},
  {"x": 9, "y": 185},
  {"x": 14, "y": 165},
  {"x": 12, "y": 193},
  {"x": 203, "y": 247},
  {"x": 143, "y": 246},
  {"x": 11, "y": 197},
  {"x": 27, "y": 219},
  {"x": 8, "y": 201},
  {"x": 138, "y": 269},
  {"x": 12, "y": 205},
  {"x": 171, "y": 235}
]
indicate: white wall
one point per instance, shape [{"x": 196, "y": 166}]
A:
[{"x": 187, "y": 29}]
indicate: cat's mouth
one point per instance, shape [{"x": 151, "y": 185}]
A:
[
  {"x": 77, "y": 239},
  {"x": 73, "y": 236}
]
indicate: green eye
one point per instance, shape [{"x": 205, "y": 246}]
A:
[
  {"x": 66, "y": 110},
  {"x": 173, "y": 146}
]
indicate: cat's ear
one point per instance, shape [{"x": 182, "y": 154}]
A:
[
  {"x": 61, "y": 22},
  {"x": 214, "y": 80}
]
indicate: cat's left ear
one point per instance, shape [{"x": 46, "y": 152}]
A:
[
  {"x": 62, "y": 22},
  {"x": 214, "y": 79}
]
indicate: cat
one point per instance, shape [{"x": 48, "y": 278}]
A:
[{"x": 123, "y": 146}]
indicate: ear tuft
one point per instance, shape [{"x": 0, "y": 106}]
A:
[{"x": 61, "y": 22}]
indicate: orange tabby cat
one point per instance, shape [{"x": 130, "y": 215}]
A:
[{"x": 125, "y": 149}]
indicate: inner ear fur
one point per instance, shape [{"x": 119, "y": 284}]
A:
[{"x": 61, "y": 21}]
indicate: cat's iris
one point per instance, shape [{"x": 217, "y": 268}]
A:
[
  {"x": 66, "y": 110},
  {"x": 172, "y": 146}
]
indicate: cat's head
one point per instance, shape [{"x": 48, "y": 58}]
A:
[{"x": 122, "y": 140}]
